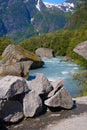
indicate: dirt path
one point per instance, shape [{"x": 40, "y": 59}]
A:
[{"x": 75, "y": 122}]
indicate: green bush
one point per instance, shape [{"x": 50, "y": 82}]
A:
[{"x": 81, "y": 77}]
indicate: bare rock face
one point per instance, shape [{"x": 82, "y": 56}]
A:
[
  {"x": 40, "y": 84},
  {"x": 17, "y": 61},
  {"x": 11, "y": 86},
  {"x": 81, "y": 49},
  {"x": 32, "y": 104},
  {"x": 61, "y": 99},
  {"x": 45, "y": 52},
  {"x": 11, "y": 112}
]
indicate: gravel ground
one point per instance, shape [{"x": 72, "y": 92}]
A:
[{"x": 73, "y": 123}]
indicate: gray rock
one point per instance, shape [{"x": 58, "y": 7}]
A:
[
  {"x": 61, "y": 99},
  {"x": 32, "y": 104},
  {"x": 16, "y": 69},
  {"x": 56, "y": 86},
  {"x": 40, "y": 84},
  {"x": 2, "y": 103},
  {"x": 11, "y": 86},
  {"x": 11, "y": 112},
  {"x": 45, "y": 52},
  {"x": 81, "y": 49}
]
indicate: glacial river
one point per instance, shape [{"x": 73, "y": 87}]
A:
[{"x": 54, "y": 70}]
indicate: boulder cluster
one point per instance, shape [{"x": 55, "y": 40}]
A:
[{"x": 21, "y": 98}]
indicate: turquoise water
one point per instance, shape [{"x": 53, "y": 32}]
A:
[{"x": 54, "y": 70}]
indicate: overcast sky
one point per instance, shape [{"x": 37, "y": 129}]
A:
[{"x": 54, "y": 1}]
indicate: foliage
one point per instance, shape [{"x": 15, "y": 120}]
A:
[
  {"x": 4, "y": 42},
  {"x": 46, "y": 20},
  {"x": 58, "y": 41},
  {"x": 79, "y": 17},
  {"x": 63, "y": 42},
  {"x": 81, "y": 4},
  {"x": 19, "y": 36},
  {"x": 81, "y": 77},
  {"x": 77, "y": 37}
]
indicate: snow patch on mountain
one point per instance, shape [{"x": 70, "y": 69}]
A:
[
  {"x": 25, "y": 1},
  {"x": 38, "y": 5}
]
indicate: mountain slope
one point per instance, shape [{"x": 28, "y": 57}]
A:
[
  {"x": 21, "y": 19},
  {"x": 79, "y": 18}
]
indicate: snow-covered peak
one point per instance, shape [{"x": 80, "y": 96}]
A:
[
  {"x": 49, "y": 5},
  {"x": 66, "y": 7},
  {"x": 68, "y": 4}
]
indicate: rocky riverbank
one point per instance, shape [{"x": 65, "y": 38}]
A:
[{"x": 64, "y": 119}]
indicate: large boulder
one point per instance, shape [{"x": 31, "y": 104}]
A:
[
  {"x": 32, "y": 104},
  {"x": 45, "y": 52},
  {"x": 81, "y": 49},
  {"x": 11, "y": 86},
  {"x": 60, "y": 99},
  {"x": 17, "y": 69},
  {"x": 40, "y": 84},
  {"x": 12, "y": 111},
  {"x": 14, "y": 53},
  {"x": 17, "y": 61}
]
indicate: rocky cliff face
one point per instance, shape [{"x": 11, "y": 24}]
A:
[{"x": 26, "y": 18}]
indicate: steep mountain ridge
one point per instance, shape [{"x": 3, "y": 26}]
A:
[{"x": 21, "y": 19}]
